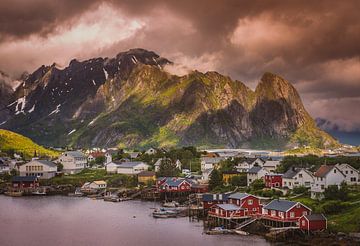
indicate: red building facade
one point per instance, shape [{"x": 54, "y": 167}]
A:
[
  {"x": 313, "y": 222},
  {"x": 273, "y": 180},
  {"x": 250, "y": 203},
  {"x": 285, "y": 211}
]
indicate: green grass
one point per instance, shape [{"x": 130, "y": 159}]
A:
[{"x": 11, "y": 141}]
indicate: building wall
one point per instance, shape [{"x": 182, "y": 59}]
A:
[
  {"x": 35, "y": 168},
  {"x": 72, "y": 164},
  {"x": 304, "y": 224}
]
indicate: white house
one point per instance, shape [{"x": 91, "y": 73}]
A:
[
  {"x": 254, "y": 173},
  {"x": 210, "y": 162},
  {"x": 95, "y": 185},
  {"x": 158, "y": 163},
  {"x": 134, "y": 167},
  {"x": 42, "y": 169},
  {"x": 73, "y": 161},
  {"x": 326, "y": 175},
  {"x": 271, "y": 165},
  {"x": 109, "y": 155},
  {"x": 352, "y": 175},
  {"x": 4, "y": 166},
  {"x": 134, "y": 155},
  {"x": 112, "y": 167},
  {"x": 205, "y": 176},
  {"x": 248, "y": 163},
  {"x": 296, "y": 177}
]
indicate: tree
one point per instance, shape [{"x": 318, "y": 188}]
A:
[
  {"x": 238, "y": 180},
  {"x": 332, "y": 192},
  {"x": 215, "y": 179},
  {"x": 60, "y": 167},
  {"x": 100, "y": 160},
  {"x": 168, "y": 168},
  {"x": 258, "y": 184}
]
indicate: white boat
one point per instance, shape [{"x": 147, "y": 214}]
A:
[
  {"x": 172, "y": 204},
  {"x": 240, "y": 232},
  {"x": 39, "y": 193}
]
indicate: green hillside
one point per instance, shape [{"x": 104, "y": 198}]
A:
[{"x": 11, "y": 141}]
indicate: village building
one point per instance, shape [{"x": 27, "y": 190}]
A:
[
  {"x": 248, "y": 163},
  {"x": 352, "y": 175},
  {"x": 42, "y": 169},
  {"x": 249, "y": 203},
  {"x": 4, "y": 166},
  {"x": 199, "y": 188},
  {"x": 132, "y": 168},
  {"x": 271, "y": 165},
  {"x": 112, "y": 167},
  {"x": 254, "y": 173},
  {"x": 24, "y": 182},
  {"x": 174, "y": 184},
  {"x": 227, "y": 211},
  {"x": 313, "y": 222},
  {"x": 109, "y": 154},
  {"x": 209, "y": 200},
  {"x": 210, "y": 162},
  {"x": 326, "y": 175},
  {"x": 286, "y": 212},
  {"x": 228, "y": 175},
  {"x": 159, "y": 161},
  {"x": 151, "y": 151},
  {"x": 93, "y": 155},
  {"x": 205, "y": 175},
  {"x": 273, "y": 180},
  {"x": 94, "y": 185},
  {"x": 296, "y": 177},
  {"x": 134, "y": 155},
  {"x": 73, "y": 162},
  {"x": 146, "y": 177}
]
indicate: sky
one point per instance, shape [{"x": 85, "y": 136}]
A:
[{"x": 312, "y": 44}]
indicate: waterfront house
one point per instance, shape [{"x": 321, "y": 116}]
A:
[
  {"x": 326, "y": 175},
  {"x": 313, "y": 222},
  {"x": 254, "y": 173},
  {"x": 284, "y": 211},
  {"x": 43, "y": 169},
  {"x": 212, "y": 199},
  {"x": 210, "y": 162},
  {"x": 270, "y": 165},
  {"x": 24, "y": 182},
  {"x": 73, "y": 161},
  {"x": 132, "y": 167},
  {"x": 112, "y": 167},
  {"x": 174, "y": 184},
  {"x": 295, "y": 177},
  {"x": 159, "y": 161},
  {"x": 228, "y": 175},
  {"x": 146, "y": 177},
  {"x": 94, "y": 185},
  {"x": 227, "y": 211},
  {"x": 273, "y": 180},
  {"x": 351, "y": 174},
  {"x": 249, "y": 203},
  {"x": 248, "y": 163}
]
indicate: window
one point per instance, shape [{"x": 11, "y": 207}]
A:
[
  {"x": 334, "y": 170},
  {"x": 292, "y": 214},
  {"x": 273, "y": 213},
  {"x": 304, "y": 213},
  {"x": 281, "y": 214},
  {"x": 300, "y": 175},
  {"x": 351, "y": 172},
  {"x": 254, "y": 209},
  {"x": 346, "y": 172},
  {"x": 303, "y": 222}
]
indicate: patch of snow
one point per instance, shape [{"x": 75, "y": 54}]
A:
[
  {"x": 20, "y": 105},
  {"x": 106, "y": 74},
  {"x": 55, "y": 111},
  {"x": 2, "y": 123},
  {"x": 134, "y": 60},
  {"x": 94, "y": 82},
  {"x": 72, "y": 131},
  {"x": 91, "y": 69},
  {"x": 70, "y": 79},
  {"x": 32, "y": 109}
]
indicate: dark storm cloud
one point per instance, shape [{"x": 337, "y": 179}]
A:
[{"x": 313, "y": 44}]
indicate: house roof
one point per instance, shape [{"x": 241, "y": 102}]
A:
[
  {"x": 130, "y": 164},
  {"x": 345, "y": 165},
  {"x": 229, "y": 207},
  {"x": 315, "y": 217},
  {"x": 24, "y": 179},
  {"x": 47, "y": 163},
  {"x": 74, "y": 153},
  {"x": 280, "y": 205},
  {"x": 100, "y": 182},
  {"x": 175, "y": 181},
  {"x": 254, "y": 169},
  {"x": 215, "y": 197},
  {"x": 238, "y": 195},
  {"x": 324, "y": 170},
  {"x": 146, "y": 174},
  {"x": 289, "y": 174},
  {"x": 271, "y": 163},
  {"x": 250, "y": 160}
]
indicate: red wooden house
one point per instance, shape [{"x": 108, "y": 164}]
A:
[
  {"x": 251, "y": 204},
  {"x": 24, "y": 182},
  {"x": 175, "y": 185},
  {"x": 226, "y": 211},
  {"x": 211, "y": 199},
  {"x": 199, "y": 188},
  {"x": 273, "y": 180},
  {"x": 313, "y": 222},
  {"x": 284, "y": 211}
]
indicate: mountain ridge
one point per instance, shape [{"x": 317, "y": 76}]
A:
[{"x": 130, "y": 100}]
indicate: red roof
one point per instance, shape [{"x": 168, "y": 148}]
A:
[{"x": 323, "y": 170}]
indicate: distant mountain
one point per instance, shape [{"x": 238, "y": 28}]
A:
[
  {"x": 20, "y": 144},
  {"x": 130, "y": 100}
]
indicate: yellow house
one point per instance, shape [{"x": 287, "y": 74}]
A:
[
  {"x": 146, "y": 176},
  {"x": 228, "y": 175}
]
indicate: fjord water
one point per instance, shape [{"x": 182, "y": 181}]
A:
[{"x": 58, "y": 220}]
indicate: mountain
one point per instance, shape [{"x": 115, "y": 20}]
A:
[
  {"x": 130, "y": 100},
  {"x": 5, "y": 95},
  {"x": 20, "y": 144}
]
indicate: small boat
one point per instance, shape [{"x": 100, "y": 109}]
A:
[
  {"x": 77, "y": 193},
  {"x": 14, "y": 193},
  {"x": 218, "y": 231},
  {"x": 242, "y": 233},
  {"x": 172, "y": 204},
  {"x": 164, "y": 213},
  {"x": 112, "y": 199},
  {"x": 39, "y": 193}
]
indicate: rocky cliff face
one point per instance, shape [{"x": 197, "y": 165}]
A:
[{"x": 130, "y": 100}]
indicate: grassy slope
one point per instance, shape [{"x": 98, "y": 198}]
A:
[{"x": 20, "y": 144}]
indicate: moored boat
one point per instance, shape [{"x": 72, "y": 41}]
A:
[
  {"x": 218, "y": 231},
  {"x": 14, "y": 193},
  {"x": 240, "y": 232},
  {"x": 164, "y": 213}
]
